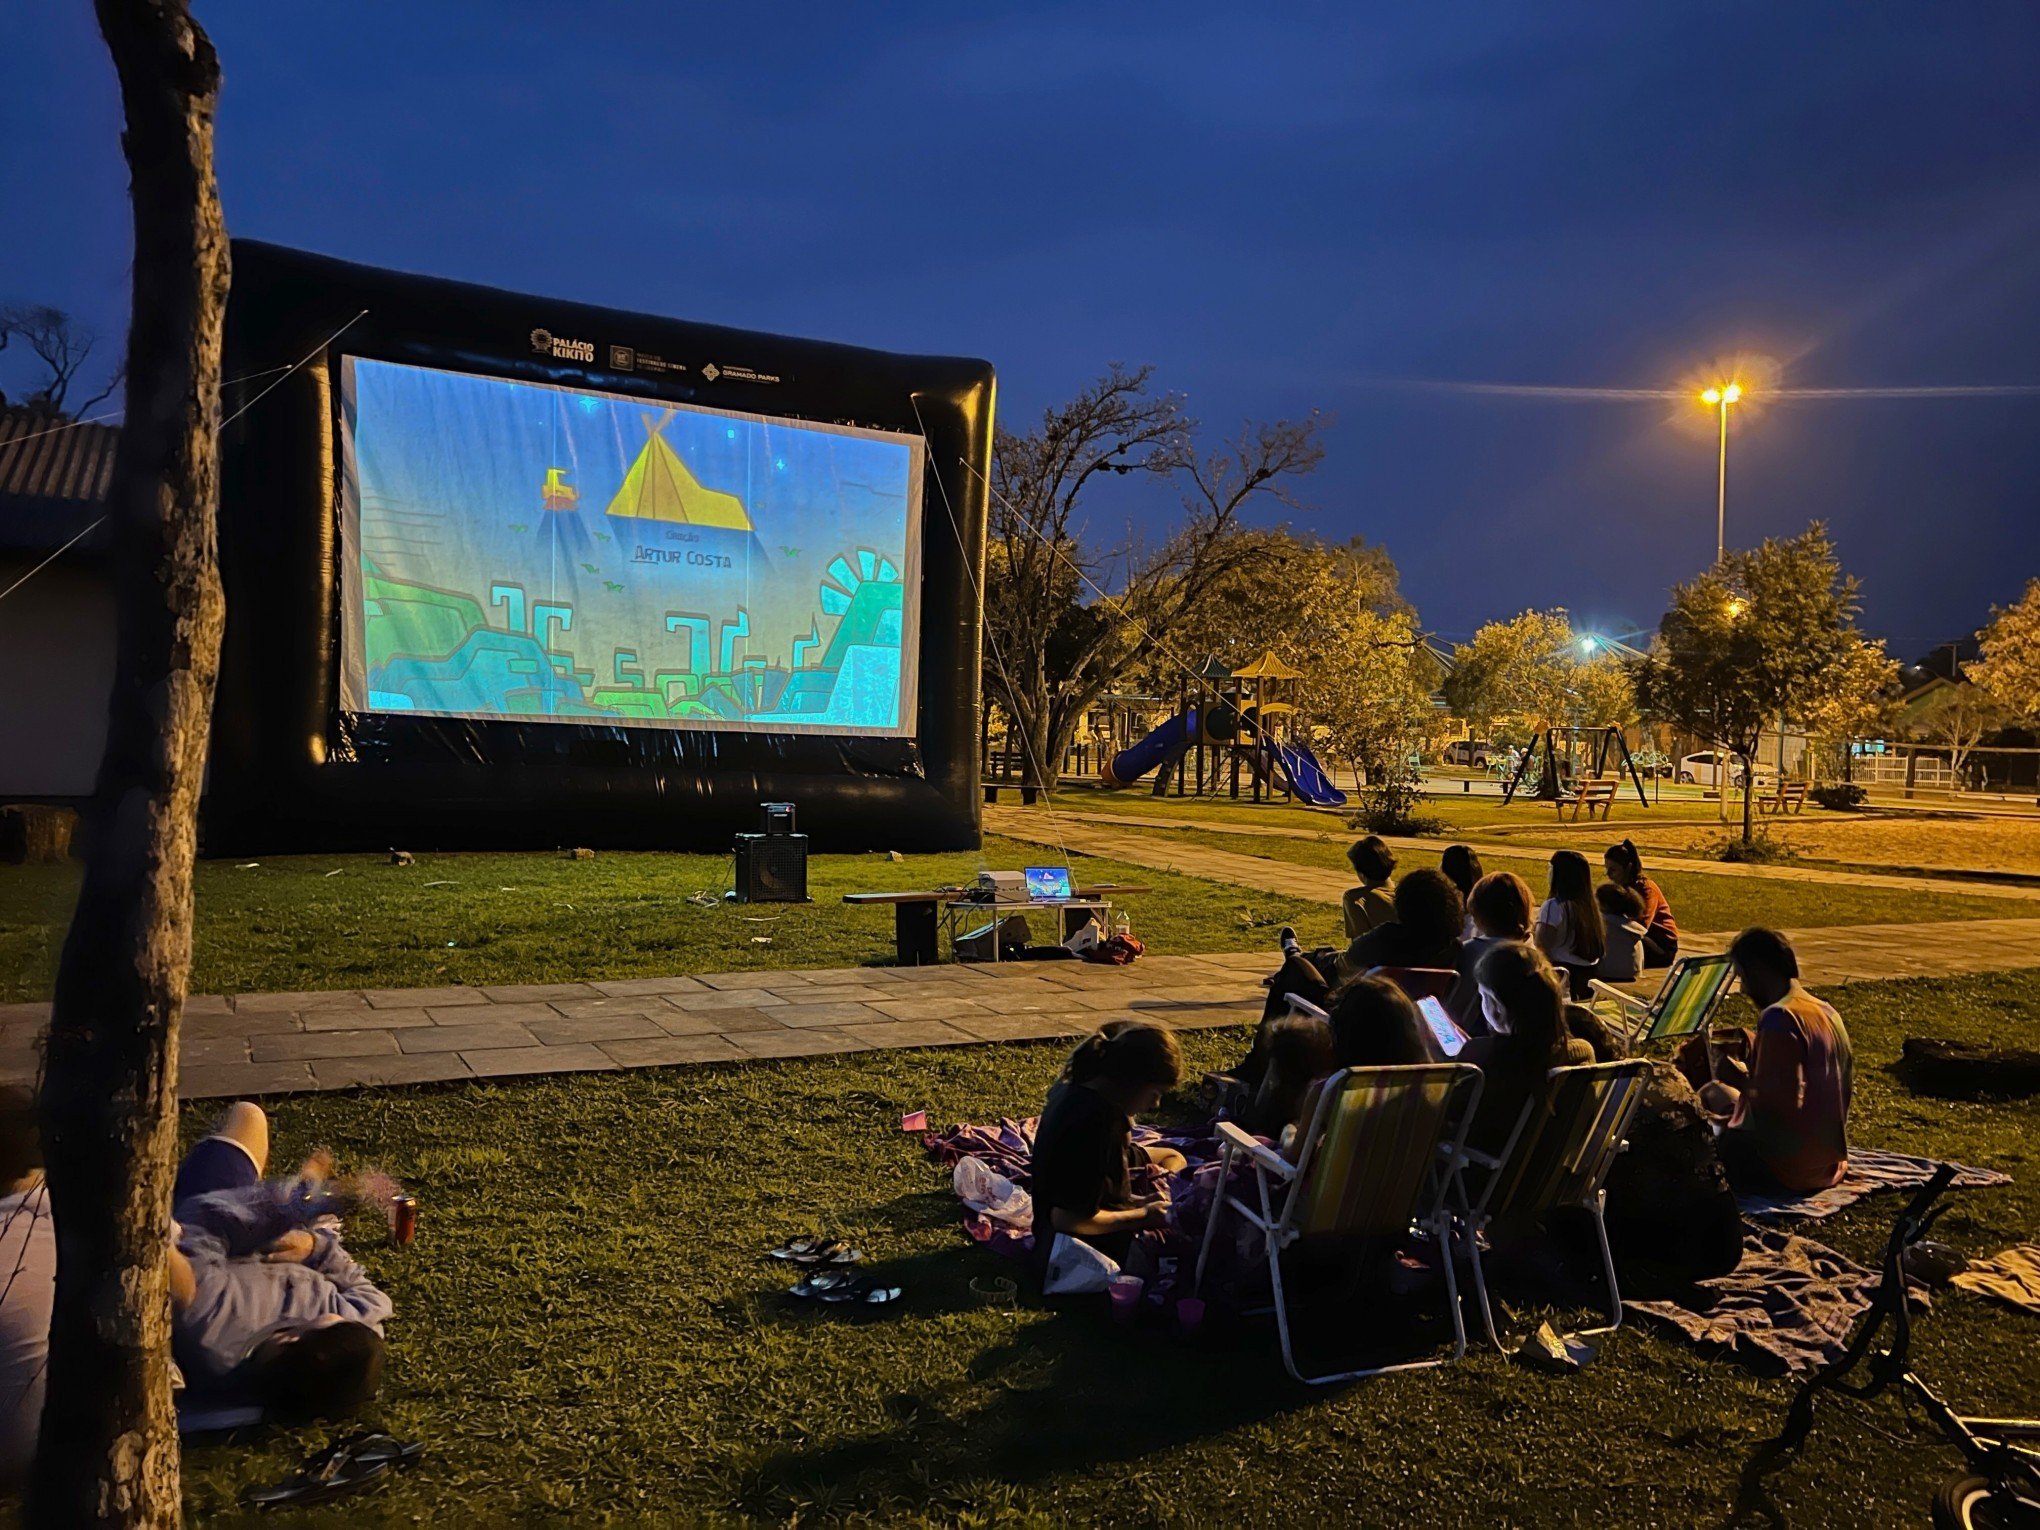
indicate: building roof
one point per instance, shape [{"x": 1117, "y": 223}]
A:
[{"x": 53, "y": 481}]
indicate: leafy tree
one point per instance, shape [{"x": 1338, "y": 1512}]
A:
[
  {"x": 1532, "y": 672},
  {"x": 1861, "y": 701},
  {"x": 1063, "y": 622},
  {"x": 1958, "y": 716},
  {"x": 1762, "y": 635},
  {"x": 2008, "y": 670}
]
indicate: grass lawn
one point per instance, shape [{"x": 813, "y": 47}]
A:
[
  {"x": 586, "y": 1335},
  {"x": 1700, "y": 901},
  {"x": 308, "y": 922}
]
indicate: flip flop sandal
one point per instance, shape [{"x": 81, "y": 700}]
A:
[
  {"x": 344, "y": 1467},
  {"x": 835, "y": 1251},
  {"x": 863, "y": 1292},
  {"x": 797, "y": 1248},
  {"x": 821, "y": 1283}
]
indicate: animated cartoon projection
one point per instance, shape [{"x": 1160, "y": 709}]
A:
[{"x": 517, "y": 550}]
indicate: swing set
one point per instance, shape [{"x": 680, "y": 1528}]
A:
[{"x": 1603, "y": 741}]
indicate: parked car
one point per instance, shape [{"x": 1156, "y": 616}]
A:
[
  {"x": 1473, "y": 752},
  {"x": 1708, "y": 766}
]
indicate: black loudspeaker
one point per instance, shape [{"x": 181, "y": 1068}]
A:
[
  {"x": 772, "y": 868},
  {"x": 775, "y": 818}
]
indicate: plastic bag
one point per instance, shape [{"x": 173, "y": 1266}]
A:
[
  {"x": 983, "y": 1189},
  {"x": 1074, "y": 1267}
]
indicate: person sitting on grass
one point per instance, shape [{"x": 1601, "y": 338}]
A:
[
  {"x": 1462, "y": 868},
  {"x": 1501, "y": 908},
  {"x": 1083, "y": 1145},
  {"x": 1429, "y": 916},
  {"x": 28, "y": 1284},
  {"x": 1625, "y": 869},
  {"x": 1373, "y": 901},
  {"x": 1785, "y": 1113},
  {"x": 1622, "y": 918},
  {"x": 1523, "y": 1000},
  {"x": 1569, "y": 927}
]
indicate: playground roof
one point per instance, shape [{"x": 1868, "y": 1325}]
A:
[{"x": 1267, "y": 667}]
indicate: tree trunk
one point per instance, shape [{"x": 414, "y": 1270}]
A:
[
  {"x": 109, "y": 1453},
  {"x": 1749, "y": 793}
]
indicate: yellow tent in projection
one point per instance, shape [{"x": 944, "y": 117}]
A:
[{"x": 659, "y": 487}]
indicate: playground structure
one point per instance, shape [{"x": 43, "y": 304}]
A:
[
  {"x": 1556, "y": 777},
  {"x": 1233, "y": 721}
]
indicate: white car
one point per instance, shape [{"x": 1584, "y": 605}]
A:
[
  {"x": 1707, "y": 767},
  {"x": 1469, "y": 751}
]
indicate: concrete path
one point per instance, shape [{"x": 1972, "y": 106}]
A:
[
  {"x": 1107, "y": 834},
  {"x": 280, "y": 1043},
  {"x": 284, "y": 1043}
]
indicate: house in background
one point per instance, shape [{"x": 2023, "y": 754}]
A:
[{"x": 56, "y": 623}]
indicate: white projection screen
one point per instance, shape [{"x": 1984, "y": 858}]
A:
[{"x": 527, "y": 552}]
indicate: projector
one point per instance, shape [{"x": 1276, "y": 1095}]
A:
[{"x": 1000, "y": 887}]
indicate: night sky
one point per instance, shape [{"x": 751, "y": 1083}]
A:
[{"x": 1313, "y": 207}]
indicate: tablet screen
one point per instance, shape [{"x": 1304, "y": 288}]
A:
[{"x": 1450, "y": 1037}]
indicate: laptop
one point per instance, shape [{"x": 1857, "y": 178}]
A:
[
  {"x": 1049, "y": 884},
  {"x": 1443, "y": 1027}
]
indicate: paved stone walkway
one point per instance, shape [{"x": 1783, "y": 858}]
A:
[
  {"x": 1107, "y": 834},
  {"x": 280, "y": 1043}
]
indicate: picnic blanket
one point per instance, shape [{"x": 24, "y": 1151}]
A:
[
  {"x": 1870, "y": 1170},
  {"x": 2012, "y": 1275},
  {"x": 1789, "y": 1306}
]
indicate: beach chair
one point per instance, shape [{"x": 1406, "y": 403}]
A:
[
  {"x": 1419, "y": 982},
  {"x": 1692, "y": 990},
  {"x": 1381, "y": 1155},
  {"x": 1558, "y": 1155}
]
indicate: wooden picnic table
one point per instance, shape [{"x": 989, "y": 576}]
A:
[{"x": 917, "y": 914}]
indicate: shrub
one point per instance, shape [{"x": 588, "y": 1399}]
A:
[
  {"x": 1761, "y": 851},
  {"x": 1391, "y": 806},
  {"x": 1839, "y": 795}
]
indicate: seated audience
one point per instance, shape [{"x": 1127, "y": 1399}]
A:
[
  {"x": 1622, "y": 919},
  {"x": 1569, "y": 927},
  {"x": 1462, "y": 869},
  {"x": 1429, "y": 915},
  {"x": 1501, "y": 909},
  {"x": 1787, "y": 1110},
  {"x": 1523, "y": 1000},
  {"x": 1082, "y": 1184},
  {"x": 1295, "y": 1051},
  {"x": 1372, "y": 902},
  {"x": 28, "y": 1285},
  {"x": 1374, "y": 1025},
  {"x": 1625, "y": 869}
]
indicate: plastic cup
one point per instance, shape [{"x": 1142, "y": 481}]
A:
[
  {"x": 1125, "y": 1291},
  {"x": 1190, "y": 1314},
  {"x": 995, "y": 1290}
]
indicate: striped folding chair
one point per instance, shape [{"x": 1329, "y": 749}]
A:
[
  {"x": 1559, "y": 1154},
  {"x": 1690, "y": 993},
  {"x": 1380, "y": 1156}
]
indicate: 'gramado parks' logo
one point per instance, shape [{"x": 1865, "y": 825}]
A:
[{"x": 546, "y": 343}]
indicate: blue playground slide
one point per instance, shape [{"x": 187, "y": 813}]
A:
[
  {"x": 1306, "y": 777},
  {"x": 1129, "y": 765}
]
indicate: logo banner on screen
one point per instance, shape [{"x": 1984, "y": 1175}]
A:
[{"x": 530, "y": 552}]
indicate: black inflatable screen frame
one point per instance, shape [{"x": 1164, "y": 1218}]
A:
[{"x": 290, "y": 772}]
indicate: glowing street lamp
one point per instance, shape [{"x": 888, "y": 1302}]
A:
[{"x": 1720, "y": 398}]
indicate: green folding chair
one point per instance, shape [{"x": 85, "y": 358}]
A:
[
  {"x": 1381, "y": 1155},
  {"x": 1558, "y": 1155},
  {"x": 1688, "y": 997}
]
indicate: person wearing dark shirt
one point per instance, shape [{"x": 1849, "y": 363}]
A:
[
  {"x": 1429, "y": 916},
  {"x": 1501, "y": 908},
  {"x": 1370, "y": 903},
  {"x": 1661, "y": 931},
  {"x": 1461, "y": 865},
  {"x": 1523, "y": 999},
  {"x": 1082, "y": 1182}
]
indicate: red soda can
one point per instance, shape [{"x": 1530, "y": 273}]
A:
[{"x": 403, "y": 1220}]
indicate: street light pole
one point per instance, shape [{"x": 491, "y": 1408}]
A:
[{"x": 1721, "y": 398}]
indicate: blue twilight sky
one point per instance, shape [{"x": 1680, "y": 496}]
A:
[{"x": 1282, "y": 208}]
